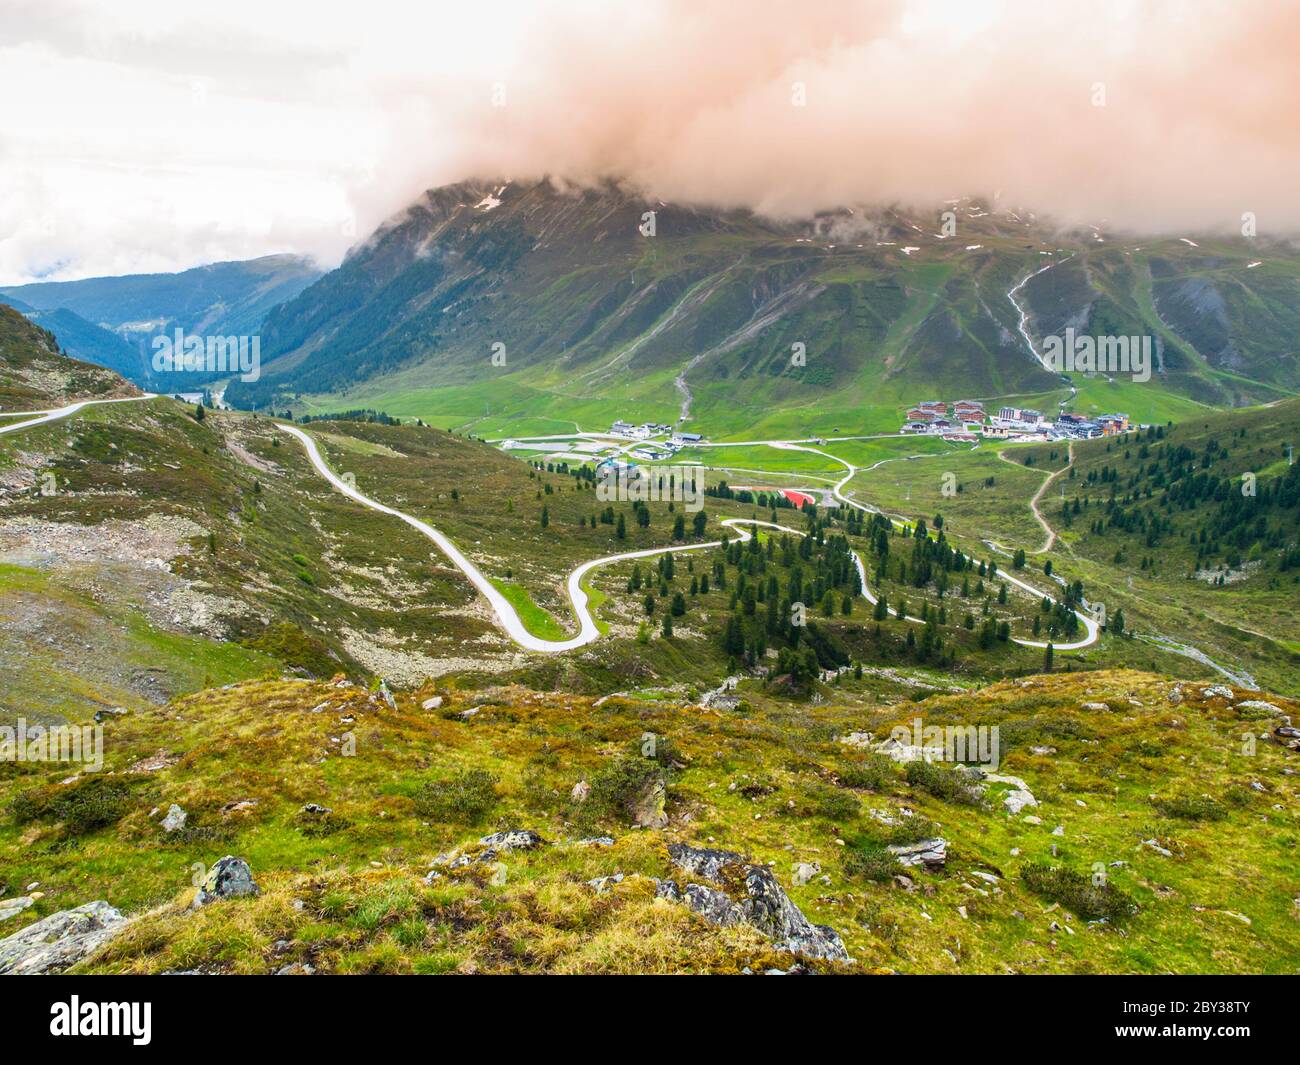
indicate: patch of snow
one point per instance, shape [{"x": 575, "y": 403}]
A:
[{"x": 492, "y": 199}]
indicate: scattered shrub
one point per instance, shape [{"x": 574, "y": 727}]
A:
[
  {"x": 1040, "y": 732},
  {"x": 950, "y": 785},
  {"x": 294, "y": 647},
  {"x": 757, "y": 787},
  {"x": 663, "y": 749},
  {"x": 871, "y": 862},
  {"x": 1192, "y": 808},
  {"x": 909, "y": 830},
  {"x": 834, "y": 805},
  {"x": 90, "y": 803},
  {"x": 1079, "y": 894},
  {"x": 872, "y": 774},
  {"x": 464, "y": 798},
  {"x": 616, "y": 788},
  {"x": 317, "y": 824}
]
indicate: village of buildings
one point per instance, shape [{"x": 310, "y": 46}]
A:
[
  {"x": 649, "y": 442},
  {"x": 963, "y": 421},
  {"x": 967, "y": 420}
]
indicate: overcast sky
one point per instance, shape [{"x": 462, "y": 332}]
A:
[{"x": 144, "y": 135}]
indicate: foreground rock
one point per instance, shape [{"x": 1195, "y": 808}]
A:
[
  {"x": 1019, "y": 797},
  {"x": 765, "y": 905},
  {"x": 60, "y": 940},
  {"x": 229, "y": 878}
]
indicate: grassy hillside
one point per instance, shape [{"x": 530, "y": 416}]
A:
[
  {"x": 1150, "y": 814},
  {"x": 36, "y": 374},
  {"x": 1193, "y": 528},
  {"x": 1230, "y": 597}
]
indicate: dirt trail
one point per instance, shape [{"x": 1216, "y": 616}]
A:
[{"x": 1037, "y": 496}]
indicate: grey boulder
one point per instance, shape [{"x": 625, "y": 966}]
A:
[
  {"x": 13, "y": 907},
  {"x": 766, "y": 907},
  {"x": 60, "y": 940},
  {"x": 929, "y": 853},
  {"x": 229, "y": 878}
]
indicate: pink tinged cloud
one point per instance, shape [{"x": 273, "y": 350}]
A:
[{"x": 1177, "y": 115}]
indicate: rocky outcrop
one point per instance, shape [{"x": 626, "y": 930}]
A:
[
  {"x": 487, "y": 849},
  {"x": 648, "y": 809},
  {"x": 708, "y": 862},
  {"x": 60, "y": 940},
  {"x": 930, "y": 853},
  {"x": 515, "y": 839},
  {"x": 713, "y": 905},
  {"x": 722, "y": 697},
  {"x": 229, "y": 878},
  {"x": 1259, "y": 705},
  {"x": 1017, "y": 800},
  {"x": 903, "y": 752},
  {"x": 805, "y": 871},
  {"x": 759, "y": 901}
]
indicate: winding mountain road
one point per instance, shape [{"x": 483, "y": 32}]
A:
[
  {"x": 1091, "y": 629},
  {"x": 43, "y": 416},
  {"x": 505, "y": 611},
  {"x": 506, "y": 614},
  {"x": 588, "y": 631}
]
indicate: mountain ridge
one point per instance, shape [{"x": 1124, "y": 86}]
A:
[
  {"x": 587, "y": 306},
  {"x": 226, "y": 298}
]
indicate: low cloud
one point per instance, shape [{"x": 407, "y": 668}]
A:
[
  {"x": 1155, "y": 116},
  {"x": 147, "y": 137}
]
